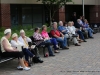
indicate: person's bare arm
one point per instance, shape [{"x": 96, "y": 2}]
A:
[
  {"x": 11, "y": 49},
  {"x": 56, "y": 36},
  {"x": 62, "y": 35}
]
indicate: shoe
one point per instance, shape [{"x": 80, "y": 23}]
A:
[
  {"x": 26, "y": 68},
  {"x": 56, "y": 51},
  {"x": 57, "y": 48},
  {"x": 91, "y": 37},
  {"x": 52, "y": 55},
  {"x": 20, "y": 68},
  {"x": 65, "y": 48},
  {"x": 84, "y": 41},
  {"x": 77, "y": 44},
  {"x": 40, "y": 61}
]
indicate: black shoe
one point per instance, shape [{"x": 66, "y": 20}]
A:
[
  {"x": 84, "y": 41},
  {"x": 65, "y": 48},
  {"x": 77, "y": 44},
  {"x": 40, "y": 61},
  {"x": 91, "y": 37},
  {"x": 57, "y": 48},
  {"x": 52, "y": 55}
]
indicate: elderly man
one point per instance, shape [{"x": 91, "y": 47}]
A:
[
  {"x": 59, "y": 36},
  {"x": 79, "y": 30},
  {"x": 24, "y": 40},
  {"x": 66, "y": 32}
]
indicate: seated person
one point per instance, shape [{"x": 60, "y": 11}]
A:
[
  {"x": 67, "y": 33},
  {"x": 59, "y": 36},
  {"x": 24, "y": 40},
  {"x": 40, "y": 41},
  {"x": 73, "y": 31},
  {"x": 9, "y": 51},
  {"x": 45, "y": 36},
  {"x": 86, "y": 26},
  {"x": 15, "y": 42},
  {"x": 79, "y": 30}
]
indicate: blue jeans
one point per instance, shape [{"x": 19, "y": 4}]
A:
[
  {"x": 49, "y": 47},
  {"x": 63, "y": 42},
  {"x": 27, "y": 54},
  {"x": 90, "y": 31},
  {"x": 81, "y": 34},
  {"x": 54, "y": 42}
]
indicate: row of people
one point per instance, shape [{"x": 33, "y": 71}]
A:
[
  {"x": 9, "y": 49},
  {"x": 58, "y": 35}
]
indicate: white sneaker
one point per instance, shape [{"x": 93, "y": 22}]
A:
[
  {"x": 20, "y": 68},
  {"x": 26, "y": 68}
]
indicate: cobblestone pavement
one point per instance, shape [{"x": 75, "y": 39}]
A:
[{"x": 83, "y": 60}]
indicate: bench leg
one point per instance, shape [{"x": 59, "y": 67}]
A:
[
  {"x": 44, "y": 51},
  {"x": 68, "y": 42}
]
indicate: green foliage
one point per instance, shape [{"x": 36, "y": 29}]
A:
[
  {"x": 28, "y": 32},
  {"x": 46, "y": 24},
  {"x": 57, "y": 2},
  {"x": 2, "y": 29}
]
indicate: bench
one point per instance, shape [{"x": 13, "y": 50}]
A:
[
  {"x": 42, "y": 46},
  {"x": 2, "y": 59}
]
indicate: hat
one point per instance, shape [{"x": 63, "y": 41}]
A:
[
  {"x": 14, "y": 35},
  {"x": 22, "y": 31},
  {"x": 7, "y": 31}
]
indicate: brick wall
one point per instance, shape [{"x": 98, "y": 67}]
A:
[
  {"x": 93, "y": 11},
  {"x": 62, "y": 14},
  {"x": 5, "y": 20}
]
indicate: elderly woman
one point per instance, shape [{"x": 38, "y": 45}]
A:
[
  {"x": 45, "y": 36},
  {"x": 86, "y": 26},
  {"x": 37, "y": 36},
  {"x": 73, "y": 30},
  {"x": 9, "y": 51},
  {"x": 15, "y": 43},
  {"x": 25, "y": 40}
]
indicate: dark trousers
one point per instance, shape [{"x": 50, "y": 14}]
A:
[
  {"x": 81, "y": 34},
  {"x": 48, "y": 46},
  {"x": 13, "y": 54},
  {"x": 27, "y": 54},
  {"x": 54, "y": 42}
]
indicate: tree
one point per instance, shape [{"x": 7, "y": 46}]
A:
[{"x": 54, "y": 5}]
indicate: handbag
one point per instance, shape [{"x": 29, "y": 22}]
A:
[{"x": 26, "y": 63}]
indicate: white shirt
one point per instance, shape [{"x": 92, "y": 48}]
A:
[
  {"x": 72, "y": 29},
  {"x": 81, "y": 23},
  {"x": 22, "y": 40},
  {"x": 16, "y": 43}
]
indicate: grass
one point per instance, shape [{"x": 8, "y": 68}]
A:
[{"x": 28, "y": 30}]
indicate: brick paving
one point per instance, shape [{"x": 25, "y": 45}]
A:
[{"x": 83, "y": 60}]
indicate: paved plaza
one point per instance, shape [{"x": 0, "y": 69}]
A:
[{"x": 83, "y": 60}]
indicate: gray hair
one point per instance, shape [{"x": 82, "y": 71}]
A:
[{"x": 54, "y": 23}]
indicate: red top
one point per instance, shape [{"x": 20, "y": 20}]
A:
[{"x": 55, "y": 32}]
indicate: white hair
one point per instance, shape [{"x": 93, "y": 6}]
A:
[
  {"x": 78, "y": 20},
  {"x": 60, "y": 22},
  {"x": 54, "y": 23}
]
